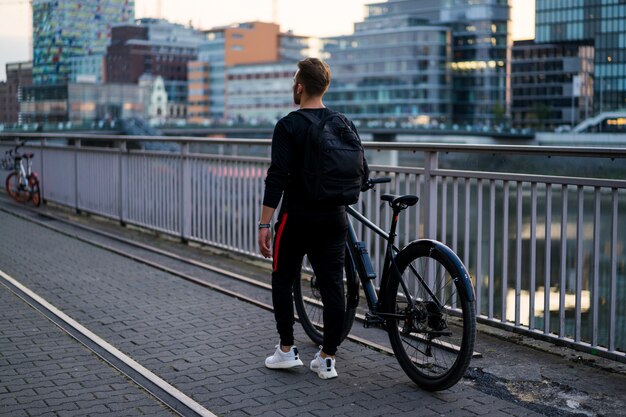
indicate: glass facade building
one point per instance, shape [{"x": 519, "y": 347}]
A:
[
  {"x": 601, "y": 22},
  {"x": 213, "y": 52},
  {"x": 260, "y": 93},
  {"x": 394, "y": 67},
  {"x": 442, "y": 60},
  {"x": 481, "y": 59},
  {"x": 552, "y": 84},
  {"x": 63, "y": 29}
]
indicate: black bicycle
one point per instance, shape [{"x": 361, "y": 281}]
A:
[{"x": 425, "y": 301}]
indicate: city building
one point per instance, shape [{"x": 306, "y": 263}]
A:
[
  {"x": 158, "y": 48},
  {"x": 63, "y": 29},
  {"x": 393, "y": 68},
  {"x": 425, "y": 61},
  {"x": 552, "y": 84},
  {"x": 198, "y": 94},
  {"x": 481, "y": 60},
  {"x": 599, "y": 22},
  {"x": 87, "y": 69},
  {"x": 19, "y": 75},
  {"x": 154, "y": 99},
  {"x": 230, "y": 46},
  {"x": 260, "y": 93},
  {"x": 79, "y": 103}
]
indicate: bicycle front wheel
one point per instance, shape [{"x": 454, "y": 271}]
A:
[
  {"x": 35, "y": 193},
  {"x": 308, "y": 300},
  {"x": 15, "y": 190},
  {"x": 434, "y": 339}
]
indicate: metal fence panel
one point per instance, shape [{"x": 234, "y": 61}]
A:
[{"x": 546, "y": 252}]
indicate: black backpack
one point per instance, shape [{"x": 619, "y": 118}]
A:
[{"x": 333, "y": 169}]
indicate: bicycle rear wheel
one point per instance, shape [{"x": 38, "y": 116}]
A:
[
  {"x": 434, "y": 341},
  {"x": 16, "y": 192},
  {"x": 309, "y": 305},
  {"x": 35, "y": 194}
]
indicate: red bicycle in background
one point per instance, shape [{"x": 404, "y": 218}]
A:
[{"x": 22, "y": 183}]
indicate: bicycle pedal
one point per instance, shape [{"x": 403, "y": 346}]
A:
[{"x": 372, "y": 320}]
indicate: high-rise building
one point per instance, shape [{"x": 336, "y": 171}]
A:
[
  {"x": 399, "y": 72},
  {"x": 63, "y": 29},
  {"x": 439, "y": 60},
  {"x": 552, "y": 84},
  {"x": 603, "y": 24},
  {"x": 481, "y": 59}
]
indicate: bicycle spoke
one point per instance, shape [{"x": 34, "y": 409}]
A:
[{"x": 434, "y": 339}]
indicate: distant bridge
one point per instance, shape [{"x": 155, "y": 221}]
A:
[{"x": 378, "y": 134}]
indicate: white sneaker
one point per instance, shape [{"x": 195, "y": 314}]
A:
[
  {"x": 325, "y": 367},
  {"x": 282, "y": 360}
]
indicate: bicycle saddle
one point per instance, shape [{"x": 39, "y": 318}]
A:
[{"x": 400, "y": 202}]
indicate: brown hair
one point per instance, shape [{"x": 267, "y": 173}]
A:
[{"x": 314, "y": 75}]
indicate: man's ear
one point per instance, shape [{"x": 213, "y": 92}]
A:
[{"x": 300, "y": 88}]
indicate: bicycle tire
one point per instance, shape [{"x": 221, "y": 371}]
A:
[
  {"x": 308, "y": 303},
  {"x": 433, "y": 345},
  {"x": 13, "y": 188},
  {"x": 35, "y": 192}
]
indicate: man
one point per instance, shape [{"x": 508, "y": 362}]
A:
[{"x": 303, "y": 226}]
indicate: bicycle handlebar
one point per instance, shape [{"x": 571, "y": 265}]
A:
[{"x": 371, "y": 182}]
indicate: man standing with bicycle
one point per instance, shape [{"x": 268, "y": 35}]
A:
[{"x": 312, "y": 219}]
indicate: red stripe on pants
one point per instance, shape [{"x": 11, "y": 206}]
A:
[{"x": 279, "y": 234}]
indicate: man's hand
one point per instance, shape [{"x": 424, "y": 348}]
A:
[{"x": 265, "y": 243}]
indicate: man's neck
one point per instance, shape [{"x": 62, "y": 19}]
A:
[{"x": 311, "y": 103}]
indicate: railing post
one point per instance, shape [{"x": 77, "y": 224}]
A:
[
  {"x": 42, "y": 177},
  {"x": 431, "y": 163},
  {"x": 123, "y": 182},
  {"x": 77, "y": 145},
  {"x": 185, "y": 193}
]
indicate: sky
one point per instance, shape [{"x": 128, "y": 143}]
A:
[{"x": 305, "y": 17}]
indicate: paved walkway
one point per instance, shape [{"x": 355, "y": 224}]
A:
[{"x": 212, "y": 346}]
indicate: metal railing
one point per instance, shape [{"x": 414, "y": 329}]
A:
[{"x": 542, "y": 230}]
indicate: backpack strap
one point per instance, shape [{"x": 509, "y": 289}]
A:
[
  {"x": 320, "y": 122},
  {"x": 310, "y": 117}
]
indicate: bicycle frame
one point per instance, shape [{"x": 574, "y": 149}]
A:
[
  {"x": 362, "y": 265},
  {"x": 362, "y": 262},
  {"x": 24, "y": 170}
]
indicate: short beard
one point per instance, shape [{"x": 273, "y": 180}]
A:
[{"x": 296, "y": 97}]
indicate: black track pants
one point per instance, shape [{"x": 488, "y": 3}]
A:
[{"x": 322, "y": 237}]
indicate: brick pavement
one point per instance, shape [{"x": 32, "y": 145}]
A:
[
  {"x": 43, "y": 371},
  {"x": 211, "y": 346}
]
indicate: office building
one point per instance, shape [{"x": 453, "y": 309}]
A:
[
  {"x": 87, "y": 69},
  {"x": 198, "y": 92},
  {"x": 63, "y": 29},
  {"x": 230, "y": 46},
  {"x": 393, "y": 67},
  {"x": 19, "y": 75},
  {"x": 433, "y": 61},
  {"x": 158, "y": 48},
  {"x": 552, "y": 84},
  {"x": 481, "y": 60},
  {"x": 599, "y": 22},
  {"x": 259, "y": 94},
  {"x": 79, "y": 103}
]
